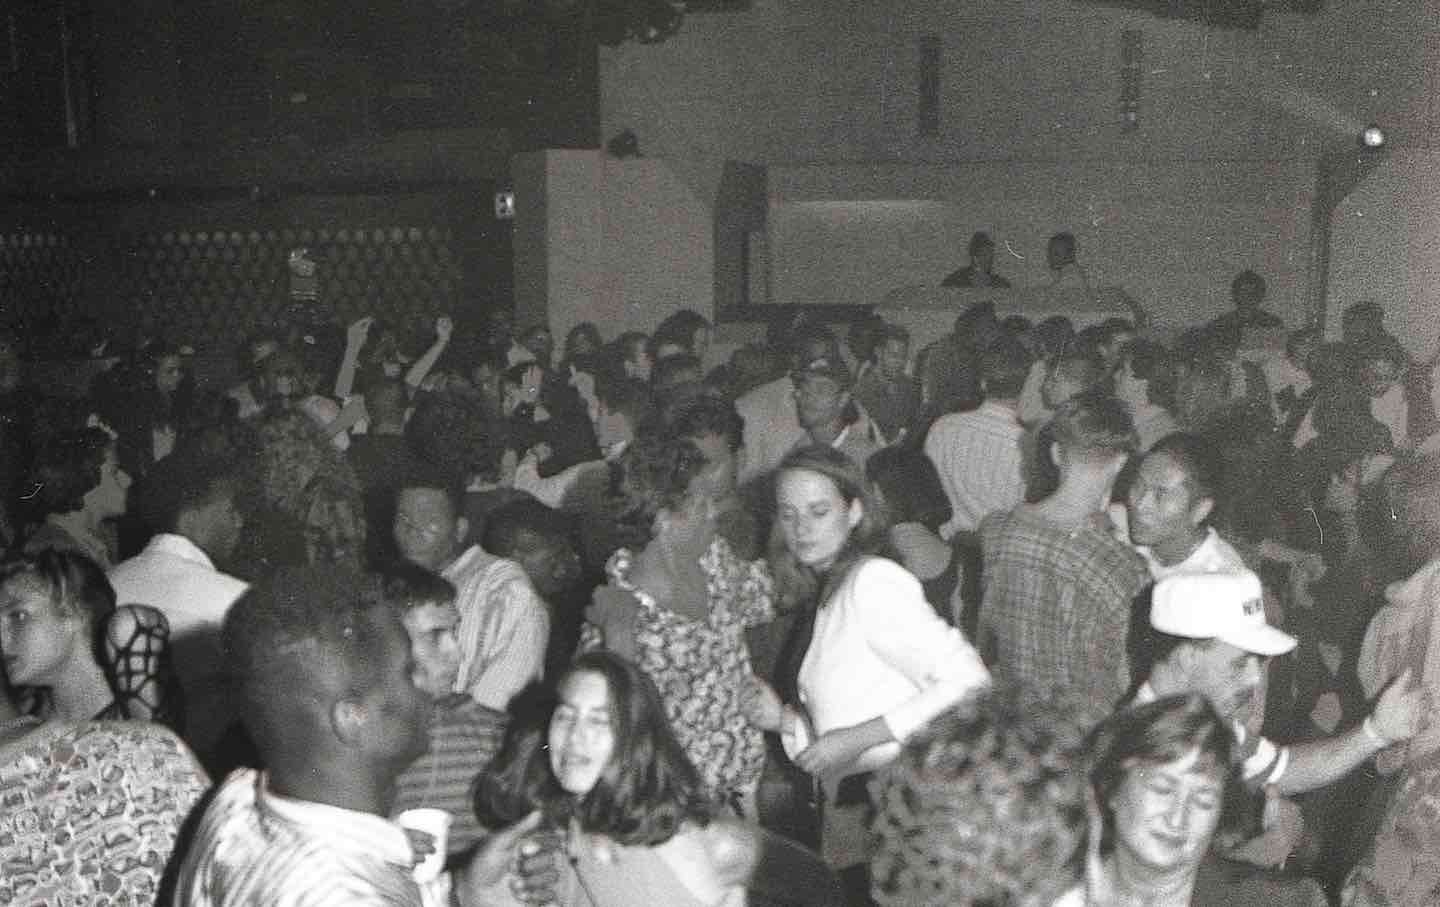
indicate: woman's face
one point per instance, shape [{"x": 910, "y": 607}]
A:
[
  {"x": 110, "y": 497},
  {"x": 168, "y": 373},
  {"x": 527, "y": 392},
  {"x": 37, "y": 637},
  {"x": 1166, "y": 814},
  {"x": 582, "y": 737},
  {"x": 815, "y": 518}
]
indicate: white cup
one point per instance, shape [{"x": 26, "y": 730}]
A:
[{"x": 436, "y": 823}]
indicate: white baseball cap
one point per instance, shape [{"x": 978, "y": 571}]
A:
[{"x": 1226, "y": 606}]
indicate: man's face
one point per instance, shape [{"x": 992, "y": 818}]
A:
[
  {"x": 541, "y": 345},
  {"x": 1058, "y": 253},
  {"x": 894, "y": 356},
  {"x": 984, "y": 258},
  {"x": 426, "y": 527},
  {"x": 1247, "y": 297},
  {"x": 1162, "y": 505},
  {"x": 397, "y": 711},
  {"x": 1378, "y": 376},
  {"x": 435, "y": 646},
  {"x": 551, "y": 564},
  {"x": 1226, "y": 675},
  {"x": 1059, "y": 386},
  {"x": 819, "y": 401}
]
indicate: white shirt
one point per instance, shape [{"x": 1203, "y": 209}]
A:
[
  {"x": 772, "y": 426},
  {"x": 1033, "y": 410},
  {"x": 978, "y": 456},
  {"x": 256, "y": 847},
  {"x": 1392, "y": 410},
  {"x": 174, "y": 576},
  {"x": 1214, "y": 555},
  {"x": 879, "y": 650},
  {"x": 504, "y": 627}
]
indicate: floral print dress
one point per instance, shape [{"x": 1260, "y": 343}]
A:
[{"x": 702, "y": 667}]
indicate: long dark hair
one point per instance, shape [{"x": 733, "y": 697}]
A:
[
  {"x": 646, "y": 792},
  {"x": 799, "y": 585}
]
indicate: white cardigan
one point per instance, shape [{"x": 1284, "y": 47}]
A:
[{"x": 879, "y": 649}]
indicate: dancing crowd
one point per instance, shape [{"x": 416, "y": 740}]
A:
[{"x": 436, "y": 614}]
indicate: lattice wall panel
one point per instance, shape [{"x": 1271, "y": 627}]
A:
[
  {"x": 42, "y": 274},
  {"x": 211, "y": 282}
]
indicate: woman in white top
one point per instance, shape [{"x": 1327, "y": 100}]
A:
[{"x": 878, "y": 663}]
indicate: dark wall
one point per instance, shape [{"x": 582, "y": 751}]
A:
[{"x": 227, "y": 75}]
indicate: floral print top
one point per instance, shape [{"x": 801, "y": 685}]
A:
[
  {"x": 1403, "y": 866},
  {"x": 702, "y": 667},
  {"x": 89, "y": 813}
]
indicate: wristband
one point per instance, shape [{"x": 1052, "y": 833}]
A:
[{"x": 1368, "y": 726}]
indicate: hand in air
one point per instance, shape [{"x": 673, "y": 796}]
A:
[{"x": 359, "y": 331}]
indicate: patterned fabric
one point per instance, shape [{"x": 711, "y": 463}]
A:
[
  {"x": 1056, "y": 607},
  {"x": 1402, "y": 869},
  {"x": 702, "y": 667},
  {"x": 89, "y": 813},
  {"x": 977, "y": 455},
  {"x": 464, "y": 738},
  {"x": 255, "y": 847}
]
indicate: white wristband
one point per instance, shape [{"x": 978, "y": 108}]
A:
[{"x": 1368, "y": 726}]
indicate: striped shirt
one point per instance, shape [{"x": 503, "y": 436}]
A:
[
  {"x": 977, "y": 455},
  {"x": 254, "y": 847},
  {"x": 464, "y": 738},
  {"x": 1261, "y": 761},
  {"x": 504, "y": 627}
]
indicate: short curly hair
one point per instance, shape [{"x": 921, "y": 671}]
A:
[
  {"x": 986, "y": 805},
  {"x": 68, "y": 468}
]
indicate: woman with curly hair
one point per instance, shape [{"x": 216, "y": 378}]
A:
[
  {"x": 290, "y": 453},
  {"x": 986, "y": 805},
  {"x": 679, "y": 604},
  {"x": 606, "y": 772},
  {"x": 875, "y": 662},
  {"x": 78, "y": 488}
]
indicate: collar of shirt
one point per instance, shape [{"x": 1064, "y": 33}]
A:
[
  {"x": 180, "y": 547},
  {"x": 345, "y": 829}
]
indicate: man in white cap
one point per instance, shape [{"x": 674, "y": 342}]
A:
[{"x": 1209, "y": 636}]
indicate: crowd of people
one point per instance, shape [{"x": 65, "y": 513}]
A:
[{"x": 1030, "y": 616}]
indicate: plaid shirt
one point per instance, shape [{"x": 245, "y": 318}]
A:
[{"x": 1057, "y": 603}]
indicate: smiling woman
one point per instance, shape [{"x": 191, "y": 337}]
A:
[
  {"x": 608, "y": 776},
  {"x": 1159, "y": 774}
]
